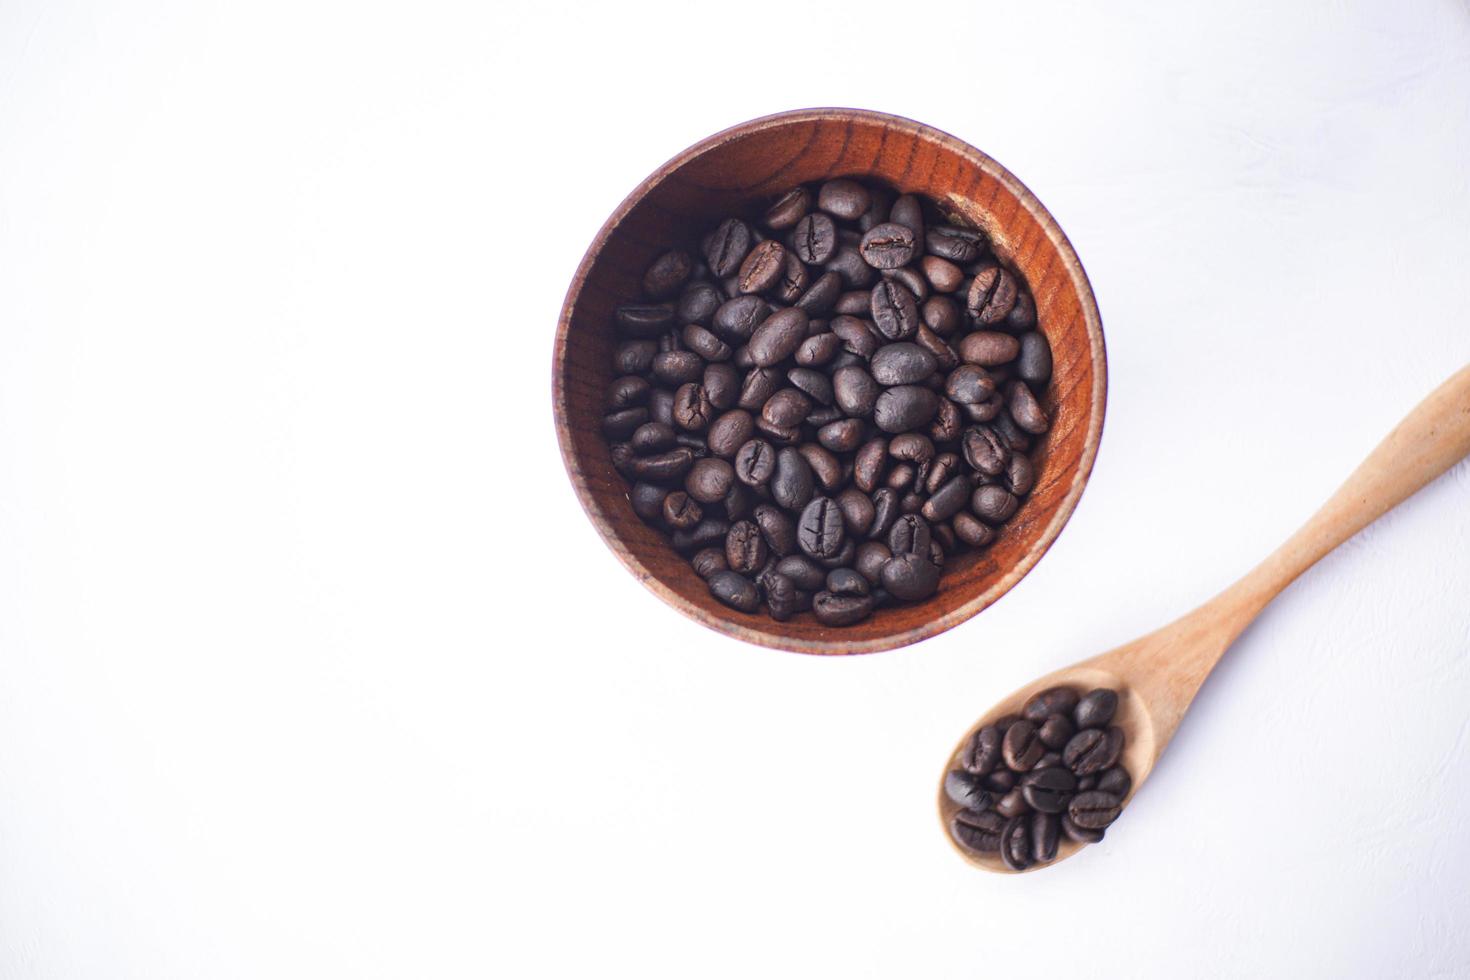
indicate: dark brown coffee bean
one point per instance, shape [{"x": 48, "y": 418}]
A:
[
  {"x": 1001, "y": 781},
  {"x": 885, "y": 511},
  {"x": 1057, "y": 731},
  {"x": 793, "y": 282},
  {"x": 947, "y": 422},
  {"x": 978, "y": 830},
  {"x": 943, "y": 275},
  {"x": 843, "y": 436},
  {"x": 783, "y": 598},
  {"x": 818, "y": 349},
  {"x": 807, "y": 574},
  {"x": 745, "y": 548},
  {"x": 1082, "y": 835},
  {"x": 1094, "y": 809},
  {"x": 971, "y": 530},
  {"x": 942, "y": 315},
  {"x": 814, "y": 239},
  {"x": 777, "y": 529},
  {"x": 966, "y": 790},
  {"x": 692, "y": 410},
  {"x": 704, "y": 343},
  {"x": 755, "y": 461},
  {"x": 727, "y": 247},
  {"x": 735, "y": 591},
  {"x": 820, "y": 532},
  {"x": 697, "y": 304},
  {"x": 815, "y": 385},
  {"x": 992, "y": 294},
  {"x": 894, "y": 310},
  {"x": 652, "y": 437},
  {"x": 910, "y": 577},
  {"x": 787, "y": 407},
  {"x": 664, "y": 466},
  {"x": 901, "y": 364},
  {"x": 909, "y": 535},
  {"x": 841, "y": 610},
  {"x": 1093, "y": 750},
  {"x": 1033, "y": 363},
  {"x": 1116, "y": 781},
  {"x": 945, "y": 359},
  {"x": 1096, "y": 708},
  {"x": 886, "y": 246},
  {"x": 634, "y": 356},
  {"x": 960, "y": 245},
  {"x": 709, "y": 480},
  {"x": 624, "y": 422},
  {"x": 1023, "y": 315},
  {"x": 871, "y": 555},
  {"x": 993, "y": 504},
  {"x": 948, "y": 500},
  {"x": 1022, "y": 746},
  {"x": 983, "y": 753},
  {"x": 826, "y": 467},
  {"x": 869, "y": 463},
  {"x": 985, "y": 450},
  {"x": 788, "y": 209},
  {"x": 988, "y": 348},
  {"x": 762, "y": 268},
  {"x": 1052, "y": 701},
  {"x": 681, "y": 511},
  {"x": 855, "y": 391},
  {"x": 778, "y": 337},
  {"x": 721, "y": 386},
  {"x": 678, "y": 367},
  {"x": 648, "y": 501},
  {"x": 857, "y": 511},
  {"x": 904, "y": 407},
  {"x": 708, "y": 532},
  {"x": 1049, "y": 790},
  {"x": 667, "y": 275},
  {"x": 858, "y": 337},
  {"x": 1019, "y": 476},
  {"x": 847, "y": 581},
  {"x": 1015, "y": 437},
  {"x": 1025, "y": 409},
  {"x": 1045, "y": 834},
  {"x": 708, "y": 561},
  {"x": 736, "y": 319},
  {"x": 792, "y": 483},
  {"x": 968, "y": 384},
  {"x": 759, "y": 384},
  {"x": 843, "y": 198},
  {"x": 729, "y": 432},
  {"x": 1015, "y": 844},
  {"x": 646, "y": 320},
  {"x": 1012, "y": 803},
  {"x": 908, "y": 211}
]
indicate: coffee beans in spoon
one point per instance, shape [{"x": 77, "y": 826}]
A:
[
  {"x": 1024, "y": 783},
  {"x": 824, "y": 399}
]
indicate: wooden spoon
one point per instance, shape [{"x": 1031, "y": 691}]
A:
[{"x": 1158, "y": 676}]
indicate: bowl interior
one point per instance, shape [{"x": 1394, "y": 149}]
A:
[{"x": 738, "y": 172}]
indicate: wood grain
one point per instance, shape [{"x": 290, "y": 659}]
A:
[
  {"x": 1158, "y": 675},
  {"x": 737, "y": 172}
]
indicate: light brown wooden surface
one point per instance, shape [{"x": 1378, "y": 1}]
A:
[
  {"x": 1158, "y": 675},
  {"x": 738, "y": 172}
]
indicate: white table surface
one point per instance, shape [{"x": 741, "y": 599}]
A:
[{"x": 286, "y": 686}]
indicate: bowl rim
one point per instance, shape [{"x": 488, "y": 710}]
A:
[{"x": 771, "y": 637}]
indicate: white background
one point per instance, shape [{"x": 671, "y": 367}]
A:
[{"x": 287, "y": 687}]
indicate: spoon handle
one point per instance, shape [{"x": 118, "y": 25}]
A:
[{"x": 1431, "y": 439}]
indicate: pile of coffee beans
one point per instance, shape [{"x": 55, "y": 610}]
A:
[
  {"x": 1027, "y": 779},
  {"x": 823, "y": 402}
]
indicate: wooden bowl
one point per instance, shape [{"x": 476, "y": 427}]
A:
[{"x": 737, "y": 172}]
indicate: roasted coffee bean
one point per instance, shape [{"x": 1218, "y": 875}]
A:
[
  {"x": 855, "y": 391},
  {"x": 777, "y": 529},
  {"x": 841, "y": 610},
  {"x": 1082, "y": 835},
  {"x": 971, "y": 530},
  {"x": 634, "y": 356},
  {"x": 1023, "y": 315},
  {"x": 987, "y": 410},
  {"x": 850, "y": 267},
  {"x": 869, "y": 463},
  {"x": 721, "y": 386},
  {"x": 788, "y": 209},
  {"x": 1096, "y": 708},
  {"x": 819, "y": 297},
  {"x": 681, "y": 511},
  {"x": 900, "y": 477},
  {"x": 968, "y": 384},
  {"x": 909, "y": 535},
  {"x": 1052, "y": 701},
  {"x": 1057, "y": 730},
  {"x": 1049, "y": 790},
  {"x": 783, "y": 598},
  {"x": 1015, "y": 844},
  {"x": 908, "y": 210},
  {"x": 814, "y": 240},
  {"x": 727, "y": 247},
  {"x": 1012, "y": 803},
  {"x": 843, "y": 198},
  {"x": 947, "y": 423},
  {"x": 813, "y": 384},
  {"x": 993, "y": 504},
  {"x": 761, "y": 269},
  {"x": 959, "y": 245},
  {"x": 692, "y": 409},
  {"x": 1019, "y": 476},
  {"x": 847, "y": 581},
  {"x": 624, "y": 422},
  {"x": 978, "y": 830},
  {"x": 901, "y": 364},
  {"x": 945, "y": 359},
  {"x": 885, "y": 511},
  {"x": 910, "y": 576},
  {"x": 736, "y": 319},
  {"x": 648, "y": 500},
  {"x": 914, "y": 282},
  {"x": 644, "y": 319},
  {"x": 735, "y": 590},
  {"x": 904, "y": 407},
  {"x": 698, "y": 302},
  {"x": 1022, "y": 747},
  {"x": 704, "y": 343},
  {"x": 708, "y": 561},
  {"x": 983, "y": 753},
  {"x": 871, "y": 557},
  {"x": 948, "y": 500},
  {"x": 1001, "y": 781},
  {"x": 759, "y": 384},
  {"x": 792, "y": 483},
  {"x": 857, "y": 336},
  {"x": 819, "y": 532},
  {"x": 966, "y": 789},
  {"x": 1085, "y": 783},
  {"x": 857, "y": 511},
  {"x": 894, "y": 310},
  {"x": 988, "y": 348},
  {"x": 942, "y": 315},
  {"x": 992, "y": 294},
  {"x": 729, "y": 432},
  {"x": 1045, "y": 833},
  {"x": 887, "y": 246},
  {"x": 708, "y": 532},
  {"x": 818, "y": 349},
  {"x": 843, "y": 436},
  {"x": 1033, "y": 363},
  {"x": 778, "y": 337},
  {"x": 826, "y": 468},
  {"x": 745, "y": 548},
  {"x": 793, "y": 282},
  {"x": 943, "y": 275},
  {"x": 755, "y": 462},
  {"x": 1015, "y": 437},
  {"x": 676, "y": 367},
  {"x": 985, "y": 450},
  {"x": 1025, "y": 409},
  {"x": 652, "y": 437},
  {"x": 664, "y": 466},
  {"x": 807, "y": 574},
  {"x": 1093, "y": 750},
  {"x": 1116, "y": 781},
  {"x": 1050, "y": 760},
  {"x": 709, "y": 480},
  {"x": 854, "y": 302},
  {"x": 668, "y": 273},
  {"x": 787, "y": 407},
  {"x": 1094, "y": 809},
  {"x": 738, "y": 502}
]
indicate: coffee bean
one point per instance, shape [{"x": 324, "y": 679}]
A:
[
  {"x": 894, "y": 310},
  {"x": 901, "y": 364},
  {"x": 668, "y": 273},
  {"x": 1015, "y": 844},
  {"x": 885, "y": 511},
  {"x": 966, "y": 790},
  {"x": 910, "y": 535},
  {"x": 681, "y": 511},
  {"x": 624, "y": 422},
  {"x": 869, "y": 463},
  {"x": 778, "y": 337},
  {"x": 1019, "y": 476},
  {"x": 648, "y": 501},
  {"x": 942, "y": 274},
  {"x": 971, "y": 530},
  {"x": 762, "y": 268},
  {"x": 1049, "y": 760},
  {"x": 792, "y": 482},
  {"x": 910, "y": 576},
  {"x": 948, "y": 500},
  {"x": 644, "y": 319},
  {"x": 1116, "y": 781},
  {"x": 814, "y": 239},
  {"x": 1082, "y": 835},
  {"x": 807, "y": 574},
  {"x": 708, "y": 561},
  {"x": 755, "y": 462},
  {"x": 992, "y": 294},
  {"x": 847, "y": 581},
  {"x": 745, "y": 548},
  {"x": 843, "y": 198},
  {"x": 735, "y": 321},
  {"x": 904, "y": 407},
  {"x": 727, "y": 247},
  {"x": 704, "y": 343},
  {"x": 942, "y": 315},
  {"x": 968, "y": 384},
  {"x": 1052, "y": 701},
  {"x": 871, "y": 557},
  {"x": 858, "y": 337},
  {"x": 1025, "y": 409},
  {"x": 988, "y": 348},
  {"x": 857, "y": 511},
  {"x": 692, "y": 410},
  {"x": 1049, "y": 790},
  {"x": 841, "y": 610},
  {"x": 1096, "y": 708},
  {"x": 983, "y": 753},
  {"x": 735, "y": 590},
  {"x": 709, "y": 480},
  {"x": 985, "y": 450},
  {"x": 729, "y": 432},
  {"x": 777, "y": 529},
  {"x": 1045, "y": 833},
  {"x": 652, "y": 437},
  {"x": 1001, "y": 781},
  {"x": 1012, "y": 803},
  {"x": 788, "y": 209},
  {"x": 959, "y": 245},
  {"x": 1056, "y": 731},
  {"x": 908, "y": 211},
  {"x": 843, "y": 436},
  {"x": 820, "y": 532},
  {"x": 1093, "y": 750},
  {"x": 787, "y": 407},
  {"x": 697, "y": 304},
  {"x": 1033, "y": 363},
  {"x": 664, "y": 466},
  {"x": 887, "y": 246},
  {"x": 1022, "y": 746},
  {"x": 993, "y": 504},
  {"x": 634, "y": 356},
  {"x": 708, "y": 532},
  {"x": 1094, "y": 809},
  {"x": 978, "y": 830}
]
